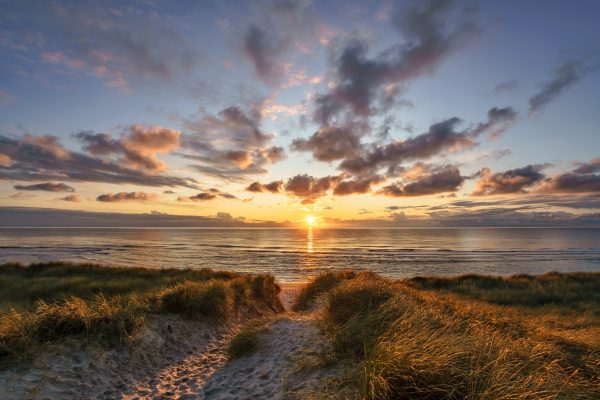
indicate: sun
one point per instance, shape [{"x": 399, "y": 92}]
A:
[{"x": 311, "y": 220}]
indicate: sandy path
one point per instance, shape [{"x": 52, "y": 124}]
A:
[
  {"x": 154, "y": 366},
  {"x": 180, "y": 359},
  {"x": 288, "y": 294},
  {"x": 185, "y": 379},
  {"x": 272, "y": 372}
]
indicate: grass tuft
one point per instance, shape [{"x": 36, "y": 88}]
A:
[
  {"x": 318, "y": 286},
  {"x": 246, "y": 341},
  {"x": 109, "y": 322},
  {"x": 198, "y": 299}
]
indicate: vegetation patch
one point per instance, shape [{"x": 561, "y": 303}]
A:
[
  {"x": 22, "y": 286},
  {"x": 438, "y": 339},
  {"x": 109, "y": 322},
  {"x": 574, "y": 291},
  {"x": 247, "y": 339},
  {"x": 318, "y": 286},
  {"x": 198, "y": 299},
  {"x": 45, "y": 303}
]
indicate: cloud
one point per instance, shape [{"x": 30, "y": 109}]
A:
[
  {"x": 273, "y": 187},
  {"x": 21, "y": 196},
  {"x": 142, "y": 143},
  {"x": 483, "y": 154},
  {"x": 365, "y": 86},
  {"x": 499, "y": 120},
  {"x": 534, "y": 201},
  {"x": 71, "y": 198},
  {"x": 48, "y": 217},
  {"x": 511, "y": 181},
  {"x": 482, "y": 217},
  {"x": 330, "y": 143},
  {"x": 507, "y": 86},
  {"x": 48, "y": 187},
  {"x": 230, "y": 145},
  {"x": 210, "y": 194},
  {"x": 48, "y": 144},
  {"x": 309, "y": 188},
  {"x": 568, "y": 74},
  {"x": 5, "y": 160},
  {"x": 204, "y": 196},
  {"x": 99, "y": 144},
  {"x": 589, "y": 167},
  {"x": 572, "y": 183},
  {"x": 126, "y": 196},
  {"x": 356, "y": 186},
  {"x": 432, "y": 30},
  {"x": 223, "y": 215},
  {"x": 580, "y": 180},
  {"x": 441, "y": 136},
  {"x": 137, "y": 148},
  {"x": 265, "y": 49},
  {"x": 286, "y": 25},
  {"x": 498, "y": 216},
  {"x": 274, "y": 110},
  {"x": 519, "y": 180},
  {"x": 446, "y": 179},
  {"x": 114, "y": 42},
  {"x": 36, "y": 158},
  {"x": 358, "y": 158},
  {"x": 227, "y": 196}
]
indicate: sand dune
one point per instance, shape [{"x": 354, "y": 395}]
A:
[{"x": 174, "y": 358}]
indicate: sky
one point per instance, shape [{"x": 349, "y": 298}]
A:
[{"x": 262, "y": 113}]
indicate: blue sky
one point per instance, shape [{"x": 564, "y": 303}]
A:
[{"x": 205, "y": 99}]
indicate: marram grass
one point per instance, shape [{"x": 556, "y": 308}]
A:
[
  {"x": 45, "y": 303},
  {"x": 470, "y": 337}
]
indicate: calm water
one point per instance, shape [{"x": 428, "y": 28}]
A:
[{"x": 295, "y": 254}]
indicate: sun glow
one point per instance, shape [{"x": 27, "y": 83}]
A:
[{"x": 311, "y": 220}]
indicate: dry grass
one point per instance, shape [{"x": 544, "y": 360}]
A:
[
  {"x": 319, "y": 285},
  {"x": 247, "y": 340},
  {"x": 109, "y": 322},
  {"x": 469, "y": 337},
  {"x": 109, "y": 305},
  {"x": 21, "y": 286}
]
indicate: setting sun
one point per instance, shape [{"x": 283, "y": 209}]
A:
[{"x": 311, "y": 220}]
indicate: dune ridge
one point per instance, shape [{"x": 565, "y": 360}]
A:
[{"x": 343, "y": 335}]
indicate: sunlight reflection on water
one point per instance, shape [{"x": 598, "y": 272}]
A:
[
  {"x": 296, "y": 254},
  {"x": 309, "y": 240}
]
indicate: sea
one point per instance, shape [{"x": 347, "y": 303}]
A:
[{"x": 295, "y": 255}]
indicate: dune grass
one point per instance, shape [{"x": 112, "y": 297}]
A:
[
  {"x": 564, "y": 293},
  {"x": 247, "y": 340},
  {"x": 470, "y": 337},
  {"x": 21, "y": 286},
  {"x": 319, "y": 285},
  {"x": 45, "y": 303}
]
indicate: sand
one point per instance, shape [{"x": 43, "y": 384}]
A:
[
  {"x": 288, "y": 294},
  {"x": 175, "y": 358}
]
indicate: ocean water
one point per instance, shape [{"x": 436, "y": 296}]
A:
[{"x": 296, "y": 254}]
